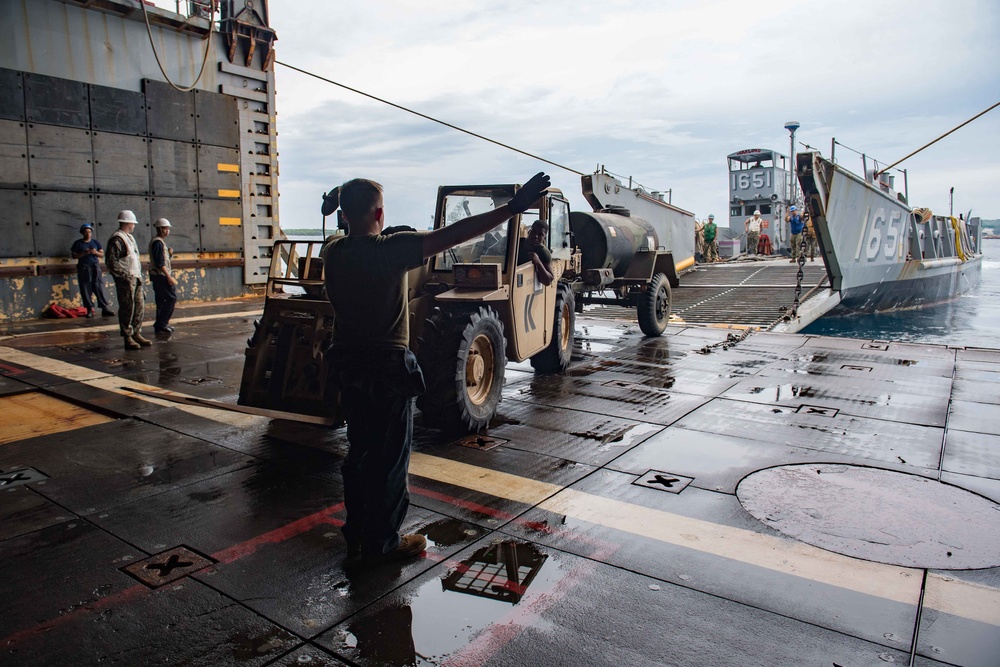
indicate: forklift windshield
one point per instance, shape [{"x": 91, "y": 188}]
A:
[{"x": 489, "y": 248}]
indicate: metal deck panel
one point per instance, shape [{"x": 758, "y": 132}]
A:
[
  {"x": 742, "y": 293},
  {"x": 262, "y": 498}
]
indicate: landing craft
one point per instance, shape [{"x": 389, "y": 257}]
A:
[{"x": 880, "y": 253}]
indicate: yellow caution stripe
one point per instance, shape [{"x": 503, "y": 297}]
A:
[
  {"x": 232, "y": 168},
  {"x": 779, "y": 554},
  {"x": 234, "y": 194},
  {"x": 230, "y": 221}
]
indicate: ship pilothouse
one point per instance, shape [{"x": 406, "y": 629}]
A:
[{"x": 759, "y": 179}]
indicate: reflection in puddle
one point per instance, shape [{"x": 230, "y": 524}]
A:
[
  {"x": 501, "y": 571},
  {"x": 434, "y": 623},
  {"x": 449, "y": 532}
]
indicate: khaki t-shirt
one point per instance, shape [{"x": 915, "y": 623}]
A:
[{"x": 366, "y": 283}]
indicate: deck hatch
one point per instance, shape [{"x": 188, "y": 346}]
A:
[
  {"x": 20, "y": 477},
  {"x": 168, "y": 566},
  {"x": 663, "y": 481}
]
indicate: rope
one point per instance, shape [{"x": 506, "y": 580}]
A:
[
  {"x": 204, "y": 60},
  {"x": 431, "y": 118},
  {"x": 959, "y": 240},
  {"x": 984, "y": 111}
]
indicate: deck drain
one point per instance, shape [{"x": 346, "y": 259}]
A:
[
  {"x": 481, "y": 442},
  {"x": 168, "y": 566},
  {"x": 663, "y": 481},
  {"x": 20, "y": 476},
  {"x": 878, "y": 515},
  {"x": 875, "y": 346}
]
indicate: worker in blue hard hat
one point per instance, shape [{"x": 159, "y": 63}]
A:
[{"x": 795, "y": 225}]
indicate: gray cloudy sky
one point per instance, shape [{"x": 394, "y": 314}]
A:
[{"x": 660, "y": 91}]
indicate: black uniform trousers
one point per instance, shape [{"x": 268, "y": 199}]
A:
[
  {"x": 165, "y": 296},
  {"x": 377, "y": 387},
  {"x": 91, "y": 285}
]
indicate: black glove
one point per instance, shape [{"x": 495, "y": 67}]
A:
[{"x": 529, "y": 193}]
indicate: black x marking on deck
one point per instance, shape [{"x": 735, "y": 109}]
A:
[
  {"x": 663, "y": 481},
  {"x": 18, "y": 476},
  {"x": 167, "y": 566},
  {"x": 164, "y": 569}
]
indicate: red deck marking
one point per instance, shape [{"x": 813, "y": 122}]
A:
[
  {"x": 486, "y": 644},
  {"x": 498, "y": 634},
  {"x": 229, "y": 555},
  {"x": 277, "y": 535},
  {"x": 11, "y": 370},
  {"x": 44, "y": 626}
]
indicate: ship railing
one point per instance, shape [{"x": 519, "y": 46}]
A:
[
  {"x": 188, "y": 8},
  {"x": 875, "y": 172}
]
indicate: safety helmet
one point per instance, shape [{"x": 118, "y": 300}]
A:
[
  {"x": 711, "y": 216},
  {"x": 162, "y": 222},
  {"x": 86, "y": 226},
  {"x": 127, "y": 216},
  {"x": 757, "y": 212},
  {"x": 793, "y": 208}
]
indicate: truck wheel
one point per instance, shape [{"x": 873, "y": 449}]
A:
[
  {"x": 556, "y": 356},
  {"x": 463, "y": 359},
  {"x": 653, "y": 306}
]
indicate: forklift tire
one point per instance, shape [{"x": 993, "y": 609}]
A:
[
  {"x": 463, "y": 357},
  {"x": 556, "y": 357},
  {"x": 653, "y": 306}
]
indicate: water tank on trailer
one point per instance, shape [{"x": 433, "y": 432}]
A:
[{"x": 610, "y": 240}]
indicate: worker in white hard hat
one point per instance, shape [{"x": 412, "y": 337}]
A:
[
  {"x": 122, "y": 259},
  {"x": 753, "y": 226},
  {"x": 164, "y": 283}
]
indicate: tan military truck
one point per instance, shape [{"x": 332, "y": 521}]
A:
[{"x": 472, "y": 308}]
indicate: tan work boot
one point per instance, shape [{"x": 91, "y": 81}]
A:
[
  {"x": 409, "y": 546},
  {"x": 130, "y": 344},
  {"x": 142, "y": 341}
]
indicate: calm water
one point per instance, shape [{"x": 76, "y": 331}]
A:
[{"x": 971, "y": 320}]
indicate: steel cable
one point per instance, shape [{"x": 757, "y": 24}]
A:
[
  {"x": 204, "y": 60},
  {"x": 430, "y": 118}
]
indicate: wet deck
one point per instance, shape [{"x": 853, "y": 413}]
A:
[{"x": 604, "y": 528}]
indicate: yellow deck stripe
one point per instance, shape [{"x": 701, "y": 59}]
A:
[
  {"x": 114, "y": 384},
  {"x": 779, "y": 554},
  {"x": 235, "y": 194},
  {"x": 234, "y": 168},
  {"x": 785, "y": 555},
  {"x": 174, "y": 320},
  {"x": 230, "y": 221}
]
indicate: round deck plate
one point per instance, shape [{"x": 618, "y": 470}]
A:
[{"x": 878, "y": 515}]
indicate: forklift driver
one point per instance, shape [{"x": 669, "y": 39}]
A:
[
  {"x": 369, "y": 361},
  {"x": 532, "y": 249}
]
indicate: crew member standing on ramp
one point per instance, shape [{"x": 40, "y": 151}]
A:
[
  {"x": 753, "y": 226},
  {"x": 370, "y": 363}
]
